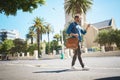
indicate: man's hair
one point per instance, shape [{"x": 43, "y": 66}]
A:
[{"x": 76, "y": 17}]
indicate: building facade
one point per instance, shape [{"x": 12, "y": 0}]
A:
[
  {"x": 8, "y": 34},
  {"x": 95, "y": 29}
]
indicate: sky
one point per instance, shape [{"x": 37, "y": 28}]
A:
[
  {"x": 53, "y": 13},
  {"x": 103, "y": 10}
]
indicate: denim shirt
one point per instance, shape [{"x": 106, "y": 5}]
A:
[{"x": 76, "y": 29}]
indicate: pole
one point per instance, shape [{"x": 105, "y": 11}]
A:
[{"x": 62, "y": 52}]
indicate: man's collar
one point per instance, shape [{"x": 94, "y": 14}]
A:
[{"x": 76, "y": 23}]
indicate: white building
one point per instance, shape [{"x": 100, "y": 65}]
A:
[{"x": 8, "y": 34}]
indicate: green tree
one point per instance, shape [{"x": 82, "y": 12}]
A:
[
  {"x": 38, "y": 25},
  {"x": 102, "y": 37},
  {"x": 53, "y": 46},
  {"x": 77, "y": 6},
  {"x": 42, "y": 31},
  {"x": 30, "y": 35},
  {"x": 31, "y": 48},
  {"x": 20, "y": 46},
  {"x": 57, "y": 37},
  {"x": 65, "y": 36},
  {"x": 5, "y": 48},
  {"x": 10, "y": 7},
  {"x": 109, "y": 37},
  {"x": 106, "y": 37},
  {"x": 117, "y": 38},
  {"x": 47, "y": 48},
  {"x": 48, "y": 31}
]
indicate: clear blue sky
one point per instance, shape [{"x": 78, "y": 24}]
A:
[
  {"x": 103, "y": 10},
  {"x": 53, "y": 13}
]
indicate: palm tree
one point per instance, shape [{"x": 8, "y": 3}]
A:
[
  {"x": 48, "y": 30},
  {"x": 38, "y": 25},
  {"x": 57, "y": 36},
  {"x": 77, "y": 6},
  {"x": 42, "y": 31},
  {"x": 30, "y": 34}
]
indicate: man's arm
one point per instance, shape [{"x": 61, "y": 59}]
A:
[
  {"x": 85, "y": 31},
  {"x": 87, "y": 27},
  {"x": 69, "y": 29},
  {"x": 72, "y": 34}
]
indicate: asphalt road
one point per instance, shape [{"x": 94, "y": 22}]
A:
[{"x": 101, "y": 68}]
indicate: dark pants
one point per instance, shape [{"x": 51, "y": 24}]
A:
[{"x": 77, "y": 53}]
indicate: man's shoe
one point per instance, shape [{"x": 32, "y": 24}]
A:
[
  {"x": 73, "y": 68},
  {"x": 85, "y": 69}
]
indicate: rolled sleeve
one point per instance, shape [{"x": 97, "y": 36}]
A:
[
  {"x": 69, "y": 30},
  {"x": 83, "y": 31}
]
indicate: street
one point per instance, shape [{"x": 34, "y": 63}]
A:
[{"x": 101, "y": 68}]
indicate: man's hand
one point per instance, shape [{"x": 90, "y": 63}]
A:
[
  {"x": 72, "y": 34},
  {"x": 87, "y": 27}
]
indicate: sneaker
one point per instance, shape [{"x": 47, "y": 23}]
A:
[
  {"x": 85, "y": 69},
  {"x": 73, "y": 68}
]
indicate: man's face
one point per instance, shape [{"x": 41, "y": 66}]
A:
[{"x": 78, "y": 19}]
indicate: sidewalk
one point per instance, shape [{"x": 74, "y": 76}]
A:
[
  {"x": 89, "y": 54},
  {"x": 101, "y": 54}
]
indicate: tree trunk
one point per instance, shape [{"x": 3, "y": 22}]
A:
[
  {"x": 41, "y": 36},
  {"x": 48, "y": 43},
  {"x": 31, "y": 40},
  {"x": 38, "y": 41},
  {"x": 57, "y": 40}
]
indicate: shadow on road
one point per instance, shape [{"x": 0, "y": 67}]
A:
[
  {"x": 56, "y": 71},
  {"x": 110, "y": 78}
]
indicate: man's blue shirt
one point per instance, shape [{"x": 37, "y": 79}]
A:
[{"x": 76, "y": 29}]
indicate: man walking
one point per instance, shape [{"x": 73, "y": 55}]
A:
[{"x": 76, "y": 30}]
